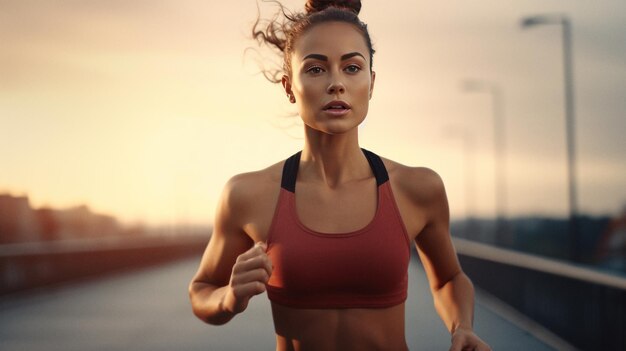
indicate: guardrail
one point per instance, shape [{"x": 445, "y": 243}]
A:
[
  {"x": 30, "y": 265},
  {"x": 587, "y": 308}
]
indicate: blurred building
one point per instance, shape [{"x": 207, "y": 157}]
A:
[
  {"x": 80, "y": 222},
  {"x": 49, "y": 225},
  {"x": 18, "y": 221}
]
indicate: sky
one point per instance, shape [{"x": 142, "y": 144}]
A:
[{"x": 144, "y": 109}]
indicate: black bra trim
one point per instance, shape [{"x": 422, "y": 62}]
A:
[
  {"x": 290, "y": 170},
  {"x": 378, "y": 167}
]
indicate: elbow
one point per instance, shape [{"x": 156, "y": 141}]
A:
[
  {"x": 191, "y": 289},
  {"x": 465, "y": 280},
  {"x": 215, "y": 321},
  {"x": 459, "y": 279},
  {"x": 208, "y": 319},
  {"x": 195, "y": 308},
  {"x": 464, "y": 283},
  {"x": 447, "y": 280},
  {"x": 193, "y": 293},
  {"x": 200, "y": 310}
]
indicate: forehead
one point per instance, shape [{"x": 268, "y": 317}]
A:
[{"x": 332, "y": 39}]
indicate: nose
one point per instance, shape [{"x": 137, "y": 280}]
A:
[{"x": 336, "y": 86}]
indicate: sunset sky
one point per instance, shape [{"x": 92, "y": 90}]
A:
[{"x": 144, "y": 109}]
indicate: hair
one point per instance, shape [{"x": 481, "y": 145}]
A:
[{"x": 281, "y": 34}]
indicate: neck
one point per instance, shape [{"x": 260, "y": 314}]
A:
[{"x": 332, "y": 159}]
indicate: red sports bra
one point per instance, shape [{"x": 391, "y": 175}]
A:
[{"x": 366, "y": 268}]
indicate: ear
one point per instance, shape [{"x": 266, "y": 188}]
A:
[
  {"x": 372, "y": 84},
  {"x": 286, "y": 85}
]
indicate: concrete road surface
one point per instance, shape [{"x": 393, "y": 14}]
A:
[{"x": 149, "y": 310}]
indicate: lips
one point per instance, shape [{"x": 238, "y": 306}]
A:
[{"x": 337, "y": 105}]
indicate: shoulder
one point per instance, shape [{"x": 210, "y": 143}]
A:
[
  {"x": 242, "y": 189},
  {"x": 245, "y": 198},
  {"x": 420, "y": 184}
]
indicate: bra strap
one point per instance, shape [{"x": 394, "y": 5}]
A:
[
  {"x": 290, "y": 170},
  {"x": 378, "y": 167}
]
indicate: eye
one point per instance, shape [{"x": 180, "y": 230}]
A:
[
  {"x": 353, "y": 69},
  {"x": 315, "y": 70}
]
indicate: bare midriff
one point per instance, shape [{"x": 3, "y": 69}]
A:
[{"x": 339, "y": 329}]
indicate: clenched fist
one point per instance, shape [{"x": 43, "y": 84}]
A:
[{"x": 251, "y": 272}]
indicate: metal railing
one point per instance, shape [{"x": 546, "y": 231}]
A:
[
  {"x": 585, "y": 307},
  {"x": 35, "y": 264}
]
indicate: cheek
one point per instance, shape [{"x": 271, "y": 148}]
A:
[
  {"x": 310, "y": 91},
  {"x": 301, "y": 86},
  {"x": 362, "y": 96},
  {"x": 363, "y": 88}
]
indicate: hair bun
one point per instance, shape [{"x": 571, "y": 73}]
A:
[{"x": 319, "y": 5}]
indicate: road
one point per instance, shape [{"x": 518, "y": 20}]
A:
[{"x": 149, "y": 310}]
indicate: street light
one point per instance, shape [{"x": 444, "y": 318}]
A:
[
  {"x": 565, "y": 24},
  {"x": 499, "y": 137},
  {"x": 536, "y": 20}
]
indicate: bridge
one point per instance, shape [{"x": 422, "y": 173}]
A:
[{"x": 148, "y": 309}]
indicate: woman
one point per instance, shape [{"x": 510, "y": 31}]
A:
[{"x": 334, "y": 258}]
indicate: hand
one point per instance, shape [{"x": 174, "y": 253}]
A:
[
  {"x": 251, "y": 272},
  {"x": 466, "y": 340}
]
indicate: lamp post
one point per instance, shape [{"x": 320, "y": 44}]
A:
[
  {"x": 565, "y": 24},
  {"x": 499, "y": 138}
]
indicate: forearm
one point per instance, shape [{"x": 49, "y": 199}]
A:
[
  {"x": 207, "y": 302},
  {"x": 454, "y": 303}
]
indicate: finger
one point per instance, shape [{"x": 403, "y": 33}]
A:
[
  {"x": 262, "y": 245},
  {"x": 257, "y": 275},
  {"x": 253, "y": 251},
  {"x": 457, "y": 345},
  {"x": 247, "y": 290},
  {"x": 268, "y": 264},
  {"x": 259, "y": 261}
]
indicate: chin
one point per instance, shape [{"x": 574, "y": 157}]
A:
[{"x": 336, "y": 127}]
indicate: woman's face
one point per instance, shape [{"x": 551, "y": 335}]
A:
[{"x": 331, "y": 80}]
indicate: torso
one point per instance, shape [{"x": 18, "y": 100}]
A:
[
  {"x": 343, "y": 209},
  {"x": 314, "y": 202},
  {"x": 339, "y": 329}
]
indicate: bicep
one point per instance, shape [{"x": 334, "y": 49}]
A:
[
  {"x": 434, "y": 244},
  {"x": 227, "y": 241},
  {"x": 438, "y": 256}
]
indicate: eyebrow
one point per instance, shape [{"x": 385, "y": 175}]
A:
[{"x": 325, "y": 58}]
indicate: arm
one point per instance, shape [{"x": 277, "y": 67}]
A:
[
  {"x": 453, "y": 292},
  {"x": 232, "y": 270}
]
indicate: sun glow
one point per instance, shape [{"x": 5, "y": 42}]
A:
[{"x": 145, "y": 112}]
